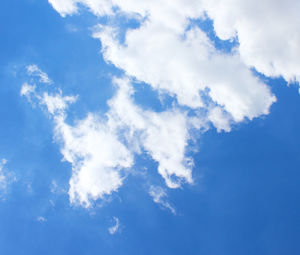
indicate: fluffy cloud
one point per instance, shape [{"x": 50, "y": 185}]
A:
[
  {"x": 268, "y": 33},
  {"x": 180, "y": 60},
  {"x": 164, "y": 136},
  {"x": 100, "y": 148},
  {"x": 185, "y": 67},
  {"x": 175, "y": 57},
  {"x": 56, "y": 104},
  {"x": 27, "y": 90},
  {"x": 64, "y": 7},
  {"x": 97, "y": 156}
]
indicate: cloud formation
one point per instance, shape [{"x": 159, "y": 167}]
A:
[
  {"x": 258, "y": 26},
  {"x": 177, "y": 58},
  {"x": 180, "y": 60},
  {"x": 268, "y": 33},
  {"x": 100, "y": 148},
  {"x": 170, "y": 53},
  {"x": 96, "y": 155},
  {"x": 189, "y": 68}
]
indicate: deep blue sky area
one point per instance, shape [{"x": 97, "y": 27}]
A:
[{"x": 245, "y": 198}]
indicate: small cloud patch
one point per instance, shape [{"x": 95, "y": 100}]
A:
[{"x": 115, "y": 228}]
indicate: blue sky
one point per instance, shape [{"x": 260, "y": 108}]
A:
[{"x": 166, "y": 129}]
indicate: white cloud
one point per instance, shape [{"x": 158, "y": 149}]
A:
[
  {"x": 116, "y": 227},
  {"x": 67, "y": 7},
  {"x": 64, "y": 7},
  {"x": 158, "y": 54},
  {"x": 268, "y": 33},
  {"x": 164, "y": 136},
  {"x": 57, "y": 104},
  {"x": 95, "y": 152},
  {"x": 163, "y": 54},
  {"x": 101, "y": 149},
  {"x": 34, "y": 70},
  {"x": 176, "y": 58},
  {"x": 27, "y": 90},
  {"x": 159, "y": 196},
  {"x": 220, "y": 118},
  {"x": 97, "y": 156}
]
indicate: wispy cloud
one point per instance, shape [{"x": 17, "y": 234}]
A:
[
  {"x": 115, "y": 228},
  {"x": 41, "y": 219},
  {"x": 35, "y": 71},
  {"x": 159, "y": 196},
  {"x": 6, "y": 178}
]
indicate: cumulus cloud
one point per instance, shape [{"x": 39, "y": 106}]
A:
[
  {"x": 96, "y": 154},
  {"x": 101, "y": 148},
  {"x": 94, "y": 150},
  {"x": 220, "y": 118},
  {"x": 116, "y": 226},
  {"x": 186, "y": 67},
  {"x": 159, "y": 196},
  {"x": 268, "y": 33},
  {"x": 182, "y": 61},
  {"x": 97, "y": 157},
  {"x": 164, "y": 136},
  {"x": 175, "y": 57}
]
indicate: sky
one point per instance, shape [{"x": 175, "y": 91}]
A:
[{"x": 149, "y": 127}]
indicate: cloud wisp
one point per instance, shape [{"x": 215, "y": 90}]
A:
[
  {"x": 6, "y": 179},
  {"x": 159, "y": 196},
  {"x": 115, "y": 228}
]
